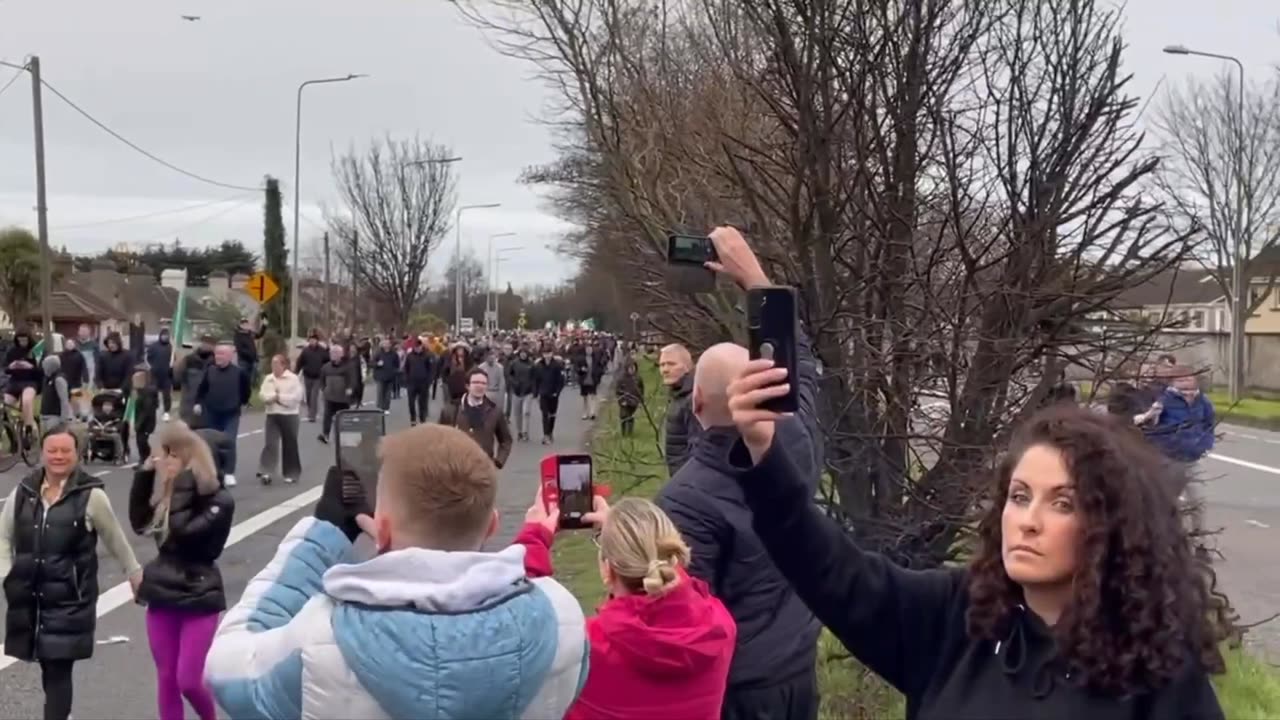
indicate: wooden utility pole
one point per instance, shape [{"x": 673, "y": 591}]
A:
[
  {"x": 42, "y": 209},
  {"x": 328, "y": 291}
]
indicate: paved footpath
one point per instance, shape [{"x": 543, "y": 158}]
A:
[{"x": 119, "y": 681}]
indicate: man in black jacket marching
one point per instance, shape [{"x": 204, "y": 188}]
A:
[
  {"x": 419, "y": 374},
  {"x": 773, "y": 674},
  {"x": 310, "y": 361}
]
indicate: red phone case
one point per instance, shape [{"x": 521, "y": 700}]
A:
[{"x": 550, "y": 476}]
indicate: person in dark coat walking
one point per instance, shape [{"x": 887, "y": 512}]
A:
[
  {"x": 178, "y": 501},
  {"x": 187, "y": 376},
  {"x": 310, "y": 361},
  {"x": 419, "y": 374},
  {"x": 548, "y": 383},
  {"x": 386, "y": 366},
  {"x": 115, "y": 366},
  {"x": 49, "y": 531},
  {"x": 246, "y": 345},
  {"x": 481, "y": 418},
  {"x": 454, "y": 374},
  {"x": 341, "y": 381},
  {"x": 520, "y": 383},
  {"x": 222, "y": 394},
  {"x": 774, "y": 670},
  {"x": 160, "y": 365},
  {"x": 630, "y": 393},
  {"x": 76, "y": 371}
]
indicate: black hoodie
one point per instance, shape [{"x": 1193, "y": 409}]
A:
[
  {"x": 24, "y": 376},
  {"x": 909, "y": 626},
  {"x": 114, "y": 366}
]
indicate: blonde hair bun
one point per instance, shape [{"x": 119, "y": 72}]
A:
[{"x": 643, "y": 546}]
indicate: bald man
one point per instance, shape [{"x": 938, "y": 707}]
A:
[
  {"x": 676, "y": 366},
  {"x": 773, "y": 672}
]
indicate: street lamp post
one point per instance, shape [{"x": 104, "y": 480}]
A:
[
  {"x": 1239, "y": 285},
  {"x": 295, "y": 285},
  {"x": 489, "y": 273},
  {"x": 497, "y": 296},
  {"x": 457, "y": 251}
]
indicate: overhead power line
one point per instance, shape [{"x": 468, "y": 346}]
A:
[
  {"x": 151, "y": 156},
  {"x": 12, "y": 80},
  {"x": 147, "y": 216}
]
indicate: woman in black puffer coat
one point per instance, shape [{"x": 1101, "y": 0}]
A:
[{"x": 178, "y": 498}]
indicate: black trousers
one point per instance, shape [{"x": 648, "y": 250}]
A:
[
  {"x": 384, "y": 394},
  {"x": 311, "y": 387},
  {"x": 548, "y": 407},
  {"x": 627, "y": 416},
  {"x": 418, "y": 397},
  {"x": 794, "y": 699},
  {"x": 55, "y": 677},
  {"x": 331, "y": 408}
]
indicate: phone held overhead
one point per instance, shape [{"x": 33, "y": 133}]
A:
[{"x": 772, "y": 322}]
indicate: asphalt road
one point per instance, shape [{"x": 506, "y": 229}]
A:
[
  {"x": 119, "y": 681},
  {"x": 1241, "y": 491}
]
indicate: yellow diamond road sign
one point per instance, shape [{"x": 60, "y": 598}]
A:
[{"x": 261, "y": 287}]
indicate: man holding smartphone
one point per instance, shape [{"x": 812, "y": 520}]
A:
[{"x": 773, "y": 673}]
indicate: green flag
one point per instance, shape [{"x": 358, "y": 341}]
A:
[
  {"x": 37, "y": 352},
  {"x": 131, "y": 410},
  {"x": 179, "y": 326}
]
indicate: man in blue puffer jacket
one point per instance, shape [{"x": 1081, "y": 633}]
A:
[
  {"x": 1184, "y": 430},
  {"x": 432, "y": 627}
]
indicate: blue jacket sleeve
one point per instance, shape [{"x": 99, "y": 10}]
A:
[
  {"x": 890, "y": 618},
  {"x": 254, "y": 666}
]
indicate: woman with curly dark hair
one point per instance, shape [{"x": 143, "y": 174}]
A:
[{"x": 1084, "y": 600}]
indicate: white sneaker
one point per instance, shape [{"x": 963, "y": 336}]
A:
[
  {"x": 229, "y": 480},
  {"x": 164, "y": 418},
  {"x": 289, "y": 481}
]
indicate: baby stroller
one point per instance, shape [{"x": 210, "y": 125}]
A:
[{"x": 104, "y": 440}]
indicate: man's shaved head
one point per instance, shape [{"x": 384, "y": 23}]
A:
[{"x": 718, "y": 366}]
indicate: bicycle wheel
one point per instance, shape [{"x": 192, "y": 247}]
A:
[
  {"x": 30, "y": 445},
  {"x": 9, "y": 446}
]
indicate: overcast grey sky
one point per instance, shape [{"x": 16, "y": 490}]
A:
[{"x": 217, "y": 97}]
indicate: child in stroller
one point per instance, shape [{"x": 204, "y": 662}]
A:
[{"x": 106, "y": 423}]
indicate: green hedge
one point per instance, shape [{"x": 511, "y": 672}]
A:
[{"x": 634, "y": 466}]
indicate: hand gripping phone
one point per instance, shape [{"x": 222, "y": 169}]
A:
[
  {"x": 772, "y": 325},
  {"x": 687, "y": 256},
  {"x": 358, "y": 433},
  {"x": 567, "y": 481}
]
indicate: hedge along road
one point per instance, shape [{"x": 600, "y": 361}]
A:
[{"x": 119, "y": 681}]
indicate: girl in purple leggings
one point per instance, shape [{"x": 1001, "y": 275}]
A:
[{"x": 178, "y": 499}]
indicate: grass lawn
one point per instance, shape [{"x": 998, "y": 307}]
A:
[{"x": 1258, "y": 411}]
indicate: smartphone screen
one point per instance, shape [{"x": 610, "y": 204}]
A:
[
  {"x": 690, "y": 249},
  {"x": 573, "y": 482},
  {"x": 772, "y": 321},
  {"x": 359, "y": 432}
]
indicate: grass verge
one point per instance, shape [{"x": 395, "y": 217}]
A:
[{"x": 633, "y": 465}]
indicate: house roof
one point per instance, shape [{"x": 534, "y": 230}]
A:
[
  {"x": 80, "y": 302},
  {"x": 1176, "y": 286}
]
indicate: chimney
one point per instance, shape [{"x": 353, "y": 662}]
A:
[
  {"x": 141, "y": 276},
  {"x": 239, "y": 281},
  {"x": 64, "y": 267},
  {"x": 218, "y": 285},
  {"x": 104, "y": 281},
  {"x": 175, "y": 278}
]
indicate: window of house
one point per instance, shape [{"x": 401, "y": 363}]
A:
[
  {"x": 1256, "y": 294},
  {"x": 1197, "y": 320}
]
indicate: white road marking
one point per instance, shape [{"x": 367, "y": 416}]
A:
[
  {"x": 1245, "y": 463},
  {"x": 1258, "y": 524},
  {"x": 122, "y": 594},
  {"x": 1255, "y": 438}
]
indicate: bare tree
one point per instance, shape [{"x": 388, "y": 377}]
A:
[
  {"x": 955, "y": 188},
  {"x": 398, "y": 198},
  {"x": 1220, "y": 176}
]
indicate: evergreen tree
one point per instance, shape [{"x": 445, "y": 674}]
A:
[{"x": 275, "y": 258}]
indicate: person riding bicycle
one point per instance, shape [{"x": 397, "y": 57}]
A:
[{"x": 24, "y": 376}]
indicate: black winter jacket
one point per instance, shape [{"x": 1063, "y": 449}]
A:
[
  {"x": 310, "y": 361},
  {"x": 777, "y": 634},
  {"x": 223, "y": 389},
  {"x": 246, "y": 342},
  {"x": 548, "y": 378},
  {"x": 681, "y": 426},
  {"x": 184, "y": 575},
  {"x": 52, "y": 589},
  {"x": 160, "y": 361},
  {"x": 520, "y": 376},
  {"x": 114, "y": 369},
  {"x": 909, "y": 626},
  {"x": 419, "y": 368},
  {"x": 74, "y": 368},
  {"x": 386, "y": 365}
]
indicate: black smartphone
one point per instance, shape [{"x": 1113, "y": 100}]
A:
[
  {"x": 358, "y": 433},
  {"x": 772, "y": 322},
  {"x": 690, "y": 250},
  {"x": 575, "y": 489}
]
